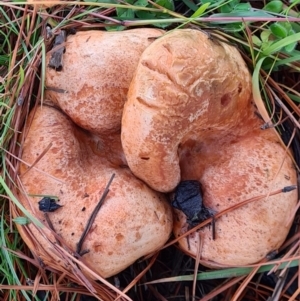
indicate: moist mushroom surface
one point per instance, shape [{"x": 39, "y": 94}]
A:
[
  {"x": 133, "y": 221},
  {"x": 189, "y": 116},
  {"x": 97, "y": 69},
  {"x": 77, "y": 155},
  {"x": 186, "y": 86}
]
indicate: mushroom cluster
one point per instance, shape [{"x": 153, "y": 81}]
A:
[
  {"x": 188, "y": 115},
  {"x": 74, "y": 143}
]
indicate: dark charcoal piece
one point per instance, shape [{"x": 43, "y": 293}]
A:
[
  {"x": 48, "y": 205},
  {"x": 188, "y": 199}
]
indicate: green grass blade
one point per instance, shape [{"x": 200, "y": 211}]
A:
[
  {"x": 200, "y": 10},
  {"x": 284, "y": 62},
  {"x": 281, "y": 43},
  {"x": 19, "y": 205},
  {"x": 226, "y": 273},
  {"x": 294, "y": 97},
  {"x": 8, "y": 259},
  {"x": 256, "y": 91}
]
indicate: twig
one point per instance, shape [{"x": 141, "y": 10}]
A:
[
  {"x": 219, "y": 214},
  {"x": 277, "y": 292},
  {"x": 199, "y": 251},
  {"x": 51, "y": 226},
  {"x": 38, "y": 158},
  {"x": 283, "y": 106},
  {"x": 213, "y": 227},
  {"x": 92, "y": 217}
]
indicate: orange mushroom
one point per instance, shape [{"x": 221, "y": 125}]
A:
[
  {"x": 97, "y": 69},
  {"x": 133, "y": 220},
  {"x": 189, "y": 116},
  {"x": 78, "y": 155}
]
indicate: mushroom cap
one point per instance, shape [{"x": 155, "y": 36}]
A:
[
  {"x": 184, "y": 82},
  {"x": 133, "y": 221},
  {"x": 250, "y": 167},
  {"x": 97, "y": 69}
]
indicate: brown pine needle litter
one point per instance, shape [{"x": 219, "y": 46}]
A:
[{"x": 267, "y": 35}]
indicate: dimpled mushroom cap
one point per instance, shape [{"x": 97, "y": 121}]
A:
[
  {"x": 133, "y": 220},
  {"x": 97, "y": 69},
  {"x": 184, "y": 81},
  {"x": 248, "y": 167},
  {"x": 189, "y": 116}
]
